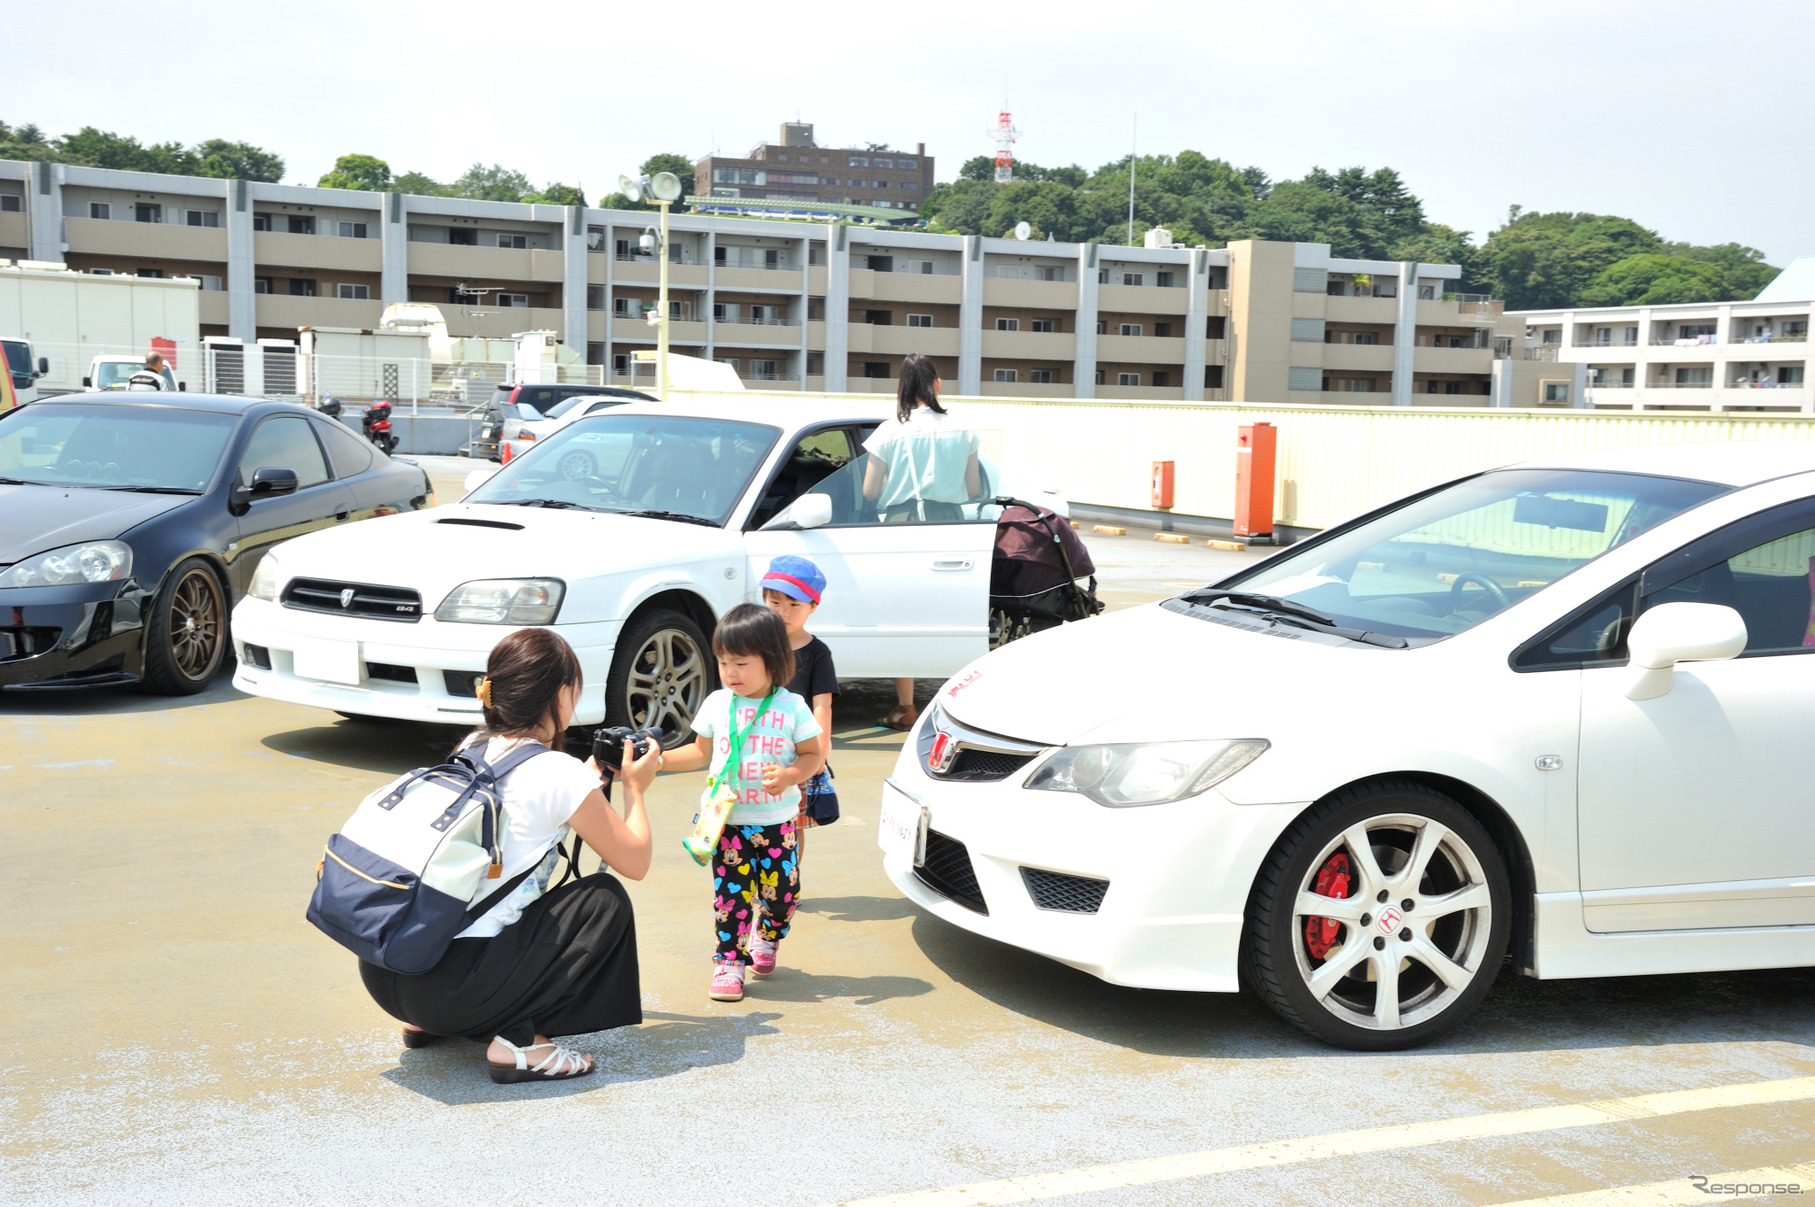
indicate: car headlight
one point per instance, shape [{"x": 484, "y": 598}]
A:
[
  {"x": 504, "y": 601},
  {"x": 1144, "y": 773},
  {"x": 89, "y": 562},
  {"x": 265, "y": 579}
]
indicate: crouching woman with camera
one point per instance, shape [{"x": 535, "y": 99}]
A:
[{"x": 541, "y": 963}]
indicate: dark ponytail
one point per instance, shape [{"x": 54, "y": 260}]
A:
[
  {"x": 917, "y": 377},
  {"x": 523, "y": 679}
]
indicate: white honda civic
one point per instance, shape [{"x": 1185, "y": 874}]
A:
[
  {"x": 629, "y": 532},
  {"x": 1564, "y": 710}
]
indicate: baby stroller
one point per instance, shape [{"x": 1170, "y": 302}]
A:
[{"x": 1033, "y": 579}]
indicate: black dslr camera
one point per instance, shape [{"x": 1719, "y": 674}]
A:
[{"x": 608, "y": 745}]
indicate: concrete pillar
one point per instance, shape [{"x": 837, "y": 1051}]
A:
[
  {"x": 711, "y": 299},
  {"x": 1197, "y": 315},
  {"x": 1084, "y": 358},
  {"x": 394, "y": 230},
  {"x": 838, "y": 307},
  {"x": 573, "y": 282},
  {"x": 1501, "y": 387},
  {"x": 1578, "y": 390},
  {"x": 242, "y": 265},
  {"x": 1405, "y": 334},
  {"x": 1568, "y": 337},
  {"x": 970, "y": 319},
  {"x": 44, "y": 197}
]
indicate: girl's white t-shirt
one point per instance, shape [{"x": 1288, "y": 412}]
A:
[
  {"x": 771, "y": 739},
  {"x": 926, "y": 457},
  {"x": 539, "y": 798}
]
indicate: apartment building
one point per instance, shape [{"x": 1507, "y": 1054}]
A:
[
  {"x": 796, "y": 169},
  {"x": 1715, "y": 356},
  {"x": 791, "y": 305}
]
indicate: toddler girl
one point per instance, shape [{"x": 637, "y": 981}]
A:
[{"x": 761, "y": 740}]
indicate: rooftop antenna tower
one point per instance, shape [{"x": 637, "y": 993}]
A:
[{"x": 1005, "y": 135}]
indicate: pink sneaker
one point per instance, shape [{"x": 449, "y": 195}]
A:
[
  {"x": 727, "y": 983},
  {"x": 762, "y": 956}
]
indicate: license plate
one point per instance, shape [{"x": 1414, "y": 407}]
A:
[
  {"x": 329, "y": 661},
  {"x": 901, "y": 829},
  {"x": 485, "y": 432}
]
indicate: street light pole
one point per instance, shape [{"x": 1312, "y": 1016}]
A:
[{"x": 661, "y": 331}]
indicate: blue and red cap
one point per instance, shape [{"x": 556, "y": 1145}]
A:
[{"x": 795, "y": 577}]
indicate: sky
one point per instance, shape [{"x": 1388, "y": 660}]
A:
[{"x": 1690, "y": 118}]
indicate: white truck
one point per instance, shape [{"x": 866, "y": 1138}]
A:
[
  {"x": 114, "y": 372},
  {"x": 62, "y": 320},
  {"x": 25, "y": 373}
]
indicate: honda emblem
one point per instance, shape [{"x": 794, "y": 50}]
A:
[{"x": 346, "y": 597}]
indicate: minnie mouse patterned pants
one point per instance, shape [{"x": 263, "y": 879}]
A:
[{"x": 755, "y": 875}]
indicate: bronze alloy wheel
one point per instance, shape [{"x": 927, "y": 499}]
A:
[{"x": 186, "y": 633}]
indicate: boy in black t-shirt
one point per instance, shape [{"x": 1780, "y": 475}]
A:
[{"x": 792, "y": 588}]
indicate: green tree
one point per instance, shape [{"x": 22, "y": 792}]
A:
[
  {"x": 1653, "y": 279},
  {"x": 1546, "y": 261},
  {"x": 558, "y": 194},
  {"x": 494, "y": 183},
  {"x": 1745, "y": 267},
  {"x": 420, "y": 184},
  {"x": 365, "y": 172},
  {"x": 238, "y": 161}
]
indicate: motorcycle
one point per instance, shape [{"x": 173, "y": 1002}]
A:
[{"x": 377, "y": 425}]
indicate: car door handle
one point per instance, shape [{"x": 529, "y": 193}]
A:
[{"x": 952, "y": 563}]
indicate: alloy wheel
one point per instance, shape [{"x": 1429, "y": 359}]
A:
[
  {"x": 667, "y": 682},
  {"x": 196, "y": 613}
]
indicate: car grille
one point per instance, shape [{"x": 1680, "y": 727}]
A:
[
  {"x": 373, "y": 603},
  {"x": 26, "y": 642},
  {"x": 462, "y": 683},
  {"x": 972, "y": 764},
  {"x": 386, "y": 670},
  {"x": 948, "y": 872},
  {"x": 258, "y": 656},
  {"x": 1067, "y": 894}
]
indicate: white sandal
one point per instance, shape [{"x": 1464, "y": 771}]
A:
[{"x": 559, "y": 1065}]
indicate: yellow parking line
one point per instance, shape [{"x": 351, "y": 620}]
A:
[
  {"x": 1699, "y": 1188},
  {"x": 1345, "y": 1144}
]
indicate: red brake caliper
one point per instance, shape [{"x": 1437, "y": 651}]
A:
[{"x": 1332, "y": 881}]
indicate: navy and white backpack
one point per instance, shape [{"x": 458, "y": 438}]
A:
[{"x": 416, "y": 863}]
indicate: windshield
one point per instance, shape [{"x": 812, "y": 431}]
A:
[
  {"x": 617, "y": 462},
  {"x": 150, "y": 448},
  {"x": 1442, "y": 564},
  {"x": 114, "y": 374},
  {"x": 18, "y": 362},
  {"x": 567, "y": 404}
]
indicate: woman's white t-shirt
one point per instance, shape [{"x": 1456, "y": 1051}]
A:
[
  {"x": 539, "y": 798},
  {"x": 926, "y": 458}
]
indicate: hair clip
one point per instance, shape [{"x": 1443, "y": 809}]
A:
[{"x": 485, "y": 691}]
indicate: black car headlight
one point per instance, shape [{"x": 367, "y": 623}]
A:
[
  {"x": 89, "y": 562},
  {"x": 1144, "y": 773}
]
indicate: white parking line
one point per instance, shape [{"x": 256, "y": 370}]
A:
[
  {"x": 1699, "y": 1188},
  {"x": 1346, "y": 1144}
]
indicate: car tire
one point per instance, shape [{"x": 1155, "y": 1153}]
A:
[
  {"x": 1441, "y": 953},
  {"x": 186, "y": 639},
  {"x": 662, "y": 672},
  {"x": 576, "y": 465}
]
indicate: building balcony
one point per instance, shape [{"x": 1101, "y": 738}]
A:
[
  {"x": 146, "y": 240},
  {"x": 462, "y": 262},
  {"x": 1134, "y": 299},
  {"x": 1140, "y": 349},
  {"x": 870, "y": 338},
  {"x": 1138, "y": 393},
  {"x": 1033, "y": 389},
  {"x": 212, "y": 308},
  {"x": 1030, "y": 345},
  {"x": 637, "y": 331},
  {"x": 756, "y": 335},
  {"x": 1364, "y": 358},
  {"x": 15, "y": 232},
  {"x": 1031, "y": 295},
  {"x": 1449, "y": 314},
  {"x": 1800, "y": 337},
  {"x": 648, "y": 272},
  {"x": 318, "y": 251},
  {"x": 924, "y": 288},
  {"x": 289, "y": 311},
  {"x": 1361, "y": 310},
  {"x": 1453, "y": 360},
  {"x": 763, "y": 280}
]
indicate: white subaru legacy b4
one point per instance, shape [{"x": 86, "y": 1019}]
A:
[
  {"x": 1564, "y": 710},
  {"x": 629, "y": 533}
]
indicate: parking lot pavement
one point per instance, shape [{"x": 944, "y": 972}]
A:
[{"x": 177, "y": 1033}]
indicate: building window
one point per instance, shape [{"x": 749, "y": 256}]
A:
[
  {"x": 99, "y": 209},
  {"x": 1040, "y": 377},
  {"x": 1427, "y": 293},
  {"x": 261, "y": 222},
  {"x": 1552, "y": 337},
  {"x": 1099, "y": 377},
  {"x": 153, "y": 273},
  {"x": 204, "y": 218},
  {"x": 147, "y": 213},
  {"x": 9, "y": 203},
  {"x": 1556, "y": 391},
  {"x": 1127, "y": 379},
  {"x": 302, "y": 224},
  {"x": 874, "y": 370},
  {"x": 620, "y": 364},
  {"x": 358, "y": 293},
  {"x": 513, "y": 299},
  {"x": 1213, "y": 377},
  {"x": 1162, "y": 330},
  {"x": 518, "y": 241},
  {"x": 1132, "y": 278},
  {"x": 858, "y": 161},
  {"x": 352, "y": 230},
  {"x": 595, "y": 298},
  {"x": 1008, "y": 324},
  {"x": 100, "y": 272},
  {"x": 210, "y": 283},
  {"x": 763, "y": 370},
  {"x": 1050, "y": 272},
  {"x": 1041, "y": 325},
  {"x": 920, "y": 320},
  {"x": 1131, "y": 328},
  {"x": 879, "y": 318},
  {"x": 1163, "y": 280},
  {"x": 463, "y": 238},
  {"x": 1102, "y": 326},
  {"x": 1632, "y": 336},
  {"x": 1006, "y": 375},
  {"x": 1213, "y": 327},
  {"x": 883, "y": 163},
  {"x": 1102, "y": 276},
  {"x": 261, "y": 285},
  {"x": 1452, "y": 387},
  {"x": 621, "y": 307},
  {"x": 1162, "y": 377},
  {"x": 909, "y": 162},
  {"x": 302, "y": 287}
]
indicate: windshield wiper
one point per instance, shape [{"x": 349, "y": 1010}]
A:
[
  {"x": 156, "y": 490},
  {"x": 681, "y": 516},
  {"x": 1286, "y": 611},
  {"x": 543, "y": 503},
  {"x": 21, "y": 482}
]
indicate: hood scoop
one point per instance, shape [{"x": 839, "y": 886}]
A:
[{"x": 504, "y": 524}]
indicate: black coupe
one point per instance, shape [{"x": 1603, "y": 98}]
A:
[{"x": 129, "y": 526}]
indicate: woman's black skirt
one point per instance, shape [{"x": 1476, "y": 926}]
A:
[{"x": 568, "y": 966}]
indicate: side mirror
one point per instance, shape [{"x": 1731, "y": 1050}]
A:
[
  {"x": 811, "y": 511},
  {"x": 44, "y": 366},
  {"x": 478, "y": 478},
  {"x": 88, "y": 383},
  {"x": 1680, "y": 632},
  {"x": 266, "y": 482},
  {"x": 182, "y": 387}
]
